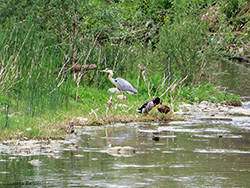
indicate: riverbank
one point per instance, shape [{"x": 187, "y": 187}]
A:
[
  {"x": 185, "y": 150},
  {"x": 54, "y": 146}
]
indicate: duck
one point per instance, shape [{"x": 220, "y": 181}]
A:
[
  {"x": 162, "y": 108},
  {"x": 148, "y": 105}
]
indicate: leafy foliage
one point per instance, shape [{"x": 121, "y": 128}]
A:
[{"x": 179, "y": 48}]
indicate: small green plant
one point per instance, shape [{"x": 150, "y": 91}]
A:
[{"x": 193, "y": 94}]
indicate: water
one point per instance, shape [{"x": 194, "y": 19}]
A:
[
  {"x": 233, "y": 78},
  {"x": 197, "y": 154},
  {"x": 177, "y": 154}
]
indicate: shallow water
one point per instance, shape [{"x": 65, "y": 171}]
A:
[
  {"x": 233, "y": 78},
  {"x": 185, "y": 154}
]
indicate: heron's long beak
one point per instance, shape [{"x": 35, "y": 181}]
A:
[{"x": 103, "y": 71}]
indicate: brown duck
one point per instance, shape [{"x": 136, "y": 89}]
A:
[{"x": 163, "y": 108}]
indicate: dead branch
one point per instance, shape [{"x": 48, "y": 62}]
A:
[
  {"x": 179, "y": 82},
  {"x": 162, "y": 85},
  {"x": 75, "y": 27},
  {"x": 128, "y": 109},
  {"x": 60, "y": 83},
  {"x": 149, "y": 90},
  {"x": 94, "y": 112},
  {"x": 138, "y": 80},
  {"x": 168, "y": 88},
  {"x": 116, "y": 59},
  {"x": 63, "y": 67}
]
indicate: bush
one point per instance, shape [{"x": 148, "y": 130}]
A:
[{"x": 178, "y": 51}]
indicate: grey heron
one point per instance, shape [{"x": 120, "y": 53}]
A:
[
  {"x": 122, "y": 85},
  {"x": 148, "y": 105}
]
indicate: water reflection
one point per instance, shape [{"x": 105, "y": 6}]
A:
[{"x": 199, "y": 154}]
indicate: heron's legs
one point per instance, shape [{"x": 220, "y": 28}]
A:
[{"x": 123, "y": 97}]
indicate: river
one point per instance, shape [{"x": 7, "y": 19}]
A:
[{"x": 176, "y": 154}]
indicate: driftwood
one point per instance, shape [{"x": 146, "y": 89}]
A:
[{"x": 78, "y": 68}]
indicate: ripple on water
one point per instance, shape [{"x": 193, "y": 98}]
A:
[
  {"x": 135, "y": 166},
  {"x": 183, "y": 179},
  {"x": 221, "y": 151},
  {"x": 197, "y": 130},
  {"x": 178, "y": 129},
  {"x": 177, "y": 166},
  {"x": 148, "y": 131},
  {"x": 217, "y": 136},
  {"x": 214, "y": 130},
  {"x": 167, "y": 152}
]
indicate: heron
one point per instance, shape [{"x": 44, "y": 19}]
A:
[
  {"x": 148, "y": 105},
  {"x": 122, "y": 85},
  {"x": 163, "y": 108}
]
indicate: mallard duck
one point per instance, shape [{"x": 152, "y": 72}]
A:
[
  {"x": 149, "y": 105},
  {"x": 163, "y": 108}
]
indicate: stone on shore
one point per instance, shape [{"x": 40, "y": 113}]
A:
[
  {"x": 239, "y": 111},
  {"x": 211, "y": 111},
  {"x": 121, "y": 151}
]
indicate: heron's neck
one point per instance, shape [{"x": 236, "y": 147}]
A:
[{"x": 111, "y": 78}]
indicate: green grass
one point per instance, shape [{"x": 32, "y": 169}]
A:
[
  {"x": 53, "y": 122},
  {"x": 207, "y": 92}
]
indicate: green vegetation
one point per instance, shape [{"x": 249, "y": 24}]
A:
[{"x": 176, "y": 42}]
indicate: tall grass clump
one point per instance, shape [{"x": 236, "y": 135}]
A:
[
  {"x": 179, "y": 50},
  {"x": 27, "y": 74}
]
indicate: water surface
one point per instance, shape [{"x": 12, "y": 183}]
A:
[{"x": 185, "y": 154}]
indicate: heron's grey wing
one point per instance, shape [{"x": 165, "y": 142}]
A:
[{"x": 124, "y": 85}]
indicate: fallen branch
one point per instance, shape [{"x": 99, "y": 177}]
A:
[
  {"x": 78, "y": 68},
  {"x": 128, "y": 109}
]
